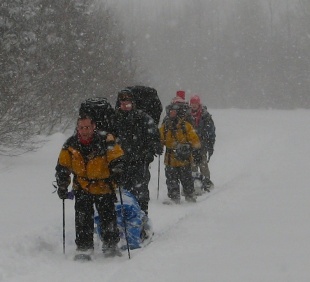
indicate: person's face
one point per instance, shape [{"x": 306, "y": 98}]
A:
[
  {"x": 86, "y": 128},
  {"x": 126, "y": 105},
  {"x": 195, "y": 106},
  {"x": 173, "y": 113}
]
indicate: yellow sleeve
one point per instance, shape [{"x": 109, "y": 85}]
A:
[
  {"x": 193, "y": 138},
  {"x": 114, "y": 152},
  {"x": 65, "y": 159},
  {"x": 161, "y": 132}
]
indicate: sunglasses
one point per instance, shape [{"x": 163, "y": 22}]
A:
[{"x": 125, "y": 97}]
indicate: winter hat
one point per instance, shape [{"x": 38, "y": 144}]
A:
[
  {"x": 181, "y": 94},
  {"x": 195, "y": 99},
  {"x": 177, "y": 100},
  {"x": 125, "y": 94}
]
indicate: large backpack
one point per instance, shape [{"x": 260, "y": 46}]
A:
[
  {"x": 101, "y": 111},
  {"x": 147, "y": 100},
  {"x": 183, "y": 112}
]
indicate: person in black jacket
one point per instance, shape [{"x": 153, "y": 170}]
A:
[
  {"x": 205, "y": 128},
  {"x": 139, "y": 137}
]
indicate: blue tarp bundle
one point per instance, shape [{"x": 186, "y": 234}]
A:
[{"x": 134, "y": 217}]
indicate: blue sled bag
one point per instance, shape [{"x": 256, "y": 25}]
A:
[{"x": 134, "y": 218}]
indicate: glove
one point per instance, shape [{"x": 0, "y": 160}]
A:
[
  {"x": 118, "y": 169},
  {"x": 62, "y": 193},
  {"x": 197, "y": 157},
  {"x": 117, "y": 172},
  {"x": 149, "y": 157},
  {"x": 160, "y": 150},
  {"x": 70, "y": 195}
]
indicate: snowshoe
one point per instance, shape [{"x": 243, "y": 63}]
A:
[
  {"x": 198, "y": 183},
  {"x": 83, "y": 255},
  {"x": 190, "y": 198},
  {"x": 172, "y": 201},
  {"x": 207, "y": 185},
  {"x": 111, "y": 251},
  {"x": 147, "y": 230}
]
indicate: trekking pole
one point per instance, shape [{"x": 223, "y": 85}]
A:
[
  {"x": 124, "y": 220},
  {"x": 63, "y": 222},
  {"x": 158, "y": 173},
  {"x": 63, "y": 227}
]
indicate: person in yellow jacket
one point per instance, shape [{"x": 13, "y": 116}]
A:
[
  {"x": 182, "y": 149},
  {"x": 96, "y": 163}
]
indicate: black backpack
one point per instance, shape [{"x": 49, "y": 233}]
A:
[
  {"x": 101, "y": 111},
  {"x": 147, "y": 100}
]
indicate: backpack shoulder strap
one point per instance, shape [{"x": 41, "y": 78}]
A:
[{"x": 183, "y": 126}]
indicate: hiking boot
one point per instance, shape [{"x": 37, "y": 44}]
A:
[
  {"x": 83, "y": 254},
  {"x": 207, "y": 184},
  {"x": 144, "y": 235},
  {"x": 145, "y": 227},
  {"x": 176, "y": 200},
  {"x": 174, "y": 197},
  {"x": 190, "y": 198},
  {"x": 89, "y": 251},
  {"x": 172, "y": 202},
  {"x": 111, "y": 250}
]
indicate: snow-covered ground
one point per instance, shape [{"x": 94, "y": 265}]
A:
[{"x": 253, "y": 227}]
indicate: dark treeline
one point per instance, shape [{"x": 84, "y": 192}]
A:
[
  {"x": 53, "y": 55},
  {"x": 235, "y": 53}
]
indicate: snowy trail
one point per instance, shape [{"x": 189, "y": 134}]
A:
[{"x": 251, "y": 227}]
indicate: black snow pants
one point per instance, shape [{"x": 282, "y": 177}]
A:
[
  {"x": 84, "y": 219},
  {"x": 175, "y": 175},
  {"x": 136, "y": 180}
]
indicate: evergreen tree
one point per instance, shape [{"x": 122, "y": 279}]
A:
[{"x": 54, "y": 54}]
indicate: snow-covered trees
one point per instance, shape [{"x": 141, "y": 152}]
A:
[{"x": 54, "y": 54}]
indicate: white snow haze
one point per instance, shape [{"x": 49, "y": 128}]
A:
[{"x": 252, "y": 227}]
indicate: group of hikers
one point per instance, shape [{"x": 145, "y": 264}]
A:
[{"x": 101, "y": 160}]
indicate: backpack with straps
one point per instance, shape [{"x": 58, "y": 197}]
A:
[
  {"x": 147, "y": 100},
  {"x": 101, "y": 111},
  {"x": 182, "y": 151}
]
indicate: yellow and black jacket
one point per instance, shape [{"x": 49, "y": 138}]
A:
[
  {"x": 174, "y": 132},
  {"x": 90, "y": 165}
]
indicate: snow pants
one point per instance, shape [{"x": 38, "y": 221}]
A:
[
  {"x": 84, "y": 219},
  {"x": 136, "y": 180},
  {"x": 203, "y": 167},
  {"x": 177, "y": 175}
]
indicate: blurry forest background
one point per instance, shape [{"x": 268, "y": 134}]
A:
[{"x": 235, "y": 53}]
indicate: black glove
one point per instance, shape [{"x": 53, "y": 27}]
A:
[
  {"x": 62, "y": 193},
  {"x": 197, "y": 156},
  {"x": 118, "y": 168},
  {"x": 210, "y": 153},
  {"x": 160, "y": 150},
  {"x": 149, "y": 157},
  {"x": 117, "y": 171}
]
